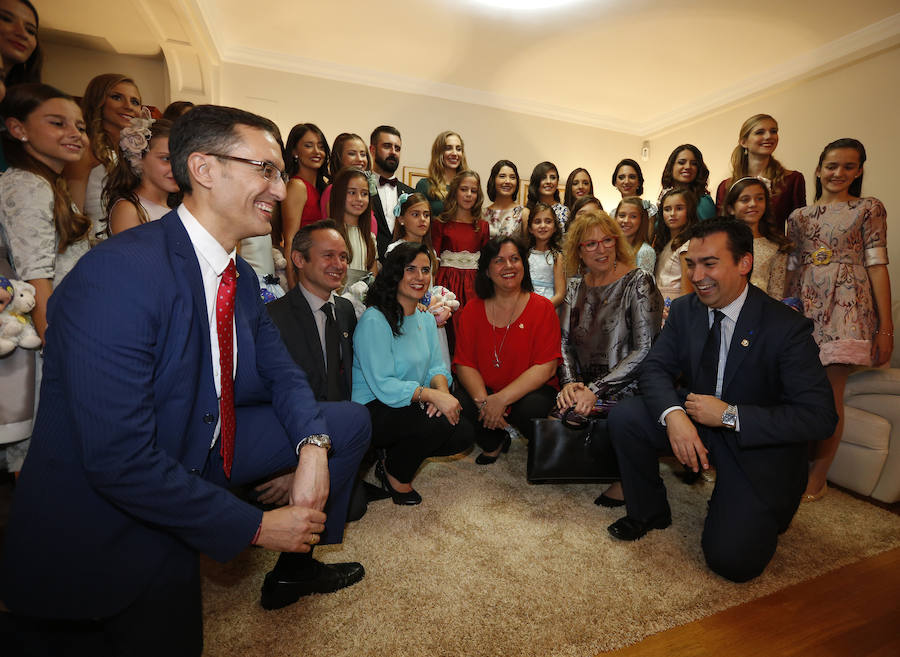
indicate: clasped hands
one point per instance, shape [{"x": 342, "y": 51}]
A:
[
  {"x": 683, "y": 437},
  {"x": 576, "y": 395},
  {"x": 492, "y": 411},
  {"x": 297, "y": 526}
]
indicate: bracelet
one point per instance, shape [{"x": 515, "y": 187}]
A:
[
  {"x": 417, "y": 395},
  {"x": 483, "y": 404},
  {"x": 883, "y": 332}
]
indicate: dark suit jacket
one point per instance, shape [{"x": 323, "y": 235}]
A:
[
  {"x": 110, "y": 488},
  {"x": 773, "y": 375},
  {"x": 294, "y": 319},
  {"x": 385, "y": 236}
]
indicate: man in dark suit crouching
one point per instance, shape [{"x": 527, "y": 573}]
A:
[{"x": 734, "y": 381}]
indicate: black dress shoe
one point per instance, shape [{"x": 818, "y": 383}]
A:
[
  {"x": 484, "y": 459},
  {"x": 608, "y": 502},
  {"x": 629, "y": 529},
  {"x": 279, "y": 591},
  {"x": 410, "y": 498}
]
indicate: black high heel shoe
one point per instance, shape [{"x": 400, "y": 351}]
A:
[
  {"x": 484, "y": 459},
  {"x": 404, "y": 499}
]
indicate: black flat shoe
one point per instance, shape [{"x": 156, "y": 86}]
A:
[
  {"x": 484, "y": 459},
  {"x": 280, "y": 591},
  {"x": 608, "y": 502},
  {"x": 404, "y": 499},
  {"x": 630, "y": 529}
]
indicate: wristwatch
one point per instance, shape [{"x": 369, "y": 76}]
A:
[
  {"x": 729, "y": 416},
  {"x": 317, "y": 439}
]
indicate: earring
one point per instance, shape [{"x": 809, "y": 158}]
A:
[
  {"x": 24, "y": 139},
  {"x": 296, "y": 158},
  {"x": 746, "y": 152}
]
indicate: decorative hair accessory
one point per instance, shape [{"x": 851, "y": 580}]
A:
[
  {"x": 400, "y": 201},
  {"x": 765, "y": 181},
  {"x": 663, "y": 192},
  {"x": 134, "y": 141}
]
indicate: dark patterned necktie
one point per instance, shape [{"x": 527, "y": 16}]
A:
[
  {"x": 332, "y": 354},
  {"x": 708, "y": 372}
]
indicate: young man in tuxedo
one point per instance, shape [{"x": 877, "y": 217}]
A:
[
  {"x": 385, "y": 145},
  {"x": 165, "y": 383},
  {"x": 734, "y": 380}
]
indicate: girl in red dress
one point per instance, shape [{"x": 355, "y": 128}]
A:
[{"x": 458, "y": 235}]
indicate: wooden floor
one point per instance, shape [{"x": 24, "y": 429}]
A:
[{"x": 851, "y": 612}]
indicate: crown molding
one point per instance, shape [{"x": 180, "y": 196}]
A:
[
  {"x": 872, "y": 38},
  {"x": 420, "y": 86}
]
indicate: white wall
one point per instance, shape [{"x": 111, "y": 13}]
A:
[
  {"x": 70, "y": 68},
  {"x": 489, "y": 134},
  {"x": 857, "y": 100}
]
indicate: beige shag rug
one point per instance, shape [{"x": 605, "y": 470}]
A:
[{"x": 490, "y": 565}]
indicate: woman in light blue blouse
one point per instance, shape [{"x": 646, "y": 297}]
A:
[{"x": 399, "y": 374}]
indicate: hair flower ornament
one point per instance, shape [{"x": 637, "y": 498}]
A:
[
  {"x": 400, "y": 201},
  {"x": 134, "y": 141}
]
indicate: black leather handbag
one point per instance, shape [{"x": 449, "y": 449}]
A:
[{"x": 564, "y": 452}]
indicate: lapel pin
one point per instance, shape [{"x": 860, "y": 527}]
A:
[
  {"x": 521, "y": 326},
  {"x": 346, "y": 335},
  {"x": 745, "y": 342}
]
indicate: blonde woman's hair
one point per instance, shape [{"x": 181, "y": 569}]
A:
[
  {"x": 578, "y": 230},
  {"x": 436, "y": 165}
]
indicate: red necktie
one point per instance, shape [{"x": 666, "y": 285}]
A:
[{"x": 225, "y": 330}]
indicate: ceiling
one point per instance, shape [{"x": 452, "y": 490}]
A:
[{"x": 638, "y": 66}]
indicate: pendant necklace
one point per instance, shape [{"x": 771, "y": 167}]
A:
[{"x": 498, "y": 351}]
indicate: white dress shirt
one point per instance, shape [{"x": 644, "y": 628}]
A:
[
  {"x": 732, "y": 311},
  {"x": 316, "y": 303},
  {"x": 213, "y": 259},
  {"x": 388, "y": 195}
]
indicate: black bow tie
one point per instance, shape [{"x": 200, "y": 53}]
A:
[{"x": 387, "y": 181}]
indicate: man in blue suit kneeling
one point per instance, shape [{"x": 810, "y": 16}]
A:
[{"x": 165, "y": 382}]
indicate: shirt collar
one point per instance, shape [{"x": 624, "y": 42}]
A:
[
  {"x": 733, "y": 309},
  {"x": 314, "y": 300},
  {"x": 206, "y": 246}
]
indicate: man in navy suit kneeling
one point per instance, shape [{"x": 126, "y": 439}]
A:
[{"x": 165, "y": 383}]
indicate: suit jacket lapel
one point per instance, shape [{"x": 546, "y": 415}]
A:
[
  {"x": 744, "y": 334},
  {"x": 186, "y": 258}
]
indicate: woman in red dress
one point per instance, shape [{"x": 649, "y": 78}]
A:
[{"x": 507, "y": 349}]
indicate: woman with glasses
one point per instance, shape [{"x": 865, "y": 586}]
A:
[{"x": 609, "y": 318}]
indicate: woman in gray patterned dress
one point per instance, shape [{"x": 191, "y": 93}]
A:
[{"x": 609, "y": 319}]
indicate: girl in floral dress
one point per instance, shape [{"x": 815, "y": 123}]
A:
[{"x": 839, "y": 271}]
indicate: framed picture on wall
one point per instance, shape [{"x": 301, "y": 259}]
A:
[{"x": 412, "y": 175}]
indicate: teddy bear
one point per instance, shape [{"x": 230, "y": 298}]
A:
[
  {"x": 441, "y": 303},
  {"x": 16, "y": 299}
]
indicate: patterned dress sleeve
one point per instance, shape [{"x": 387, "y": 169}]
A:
[
  {"x": 775, "y": 286},
  {"x": 874, "y": 233},
  {"x": 644, "y": 307},
  {"x": 795, "y": 258},
  {"x": 568, "y": 367},
  {"x": 28, "y": 226}
]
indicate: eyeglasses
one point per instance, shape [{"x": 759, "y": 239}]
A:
[
  {"x": 607, "y": 242},
  {"x": 266, "y": 169}
]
